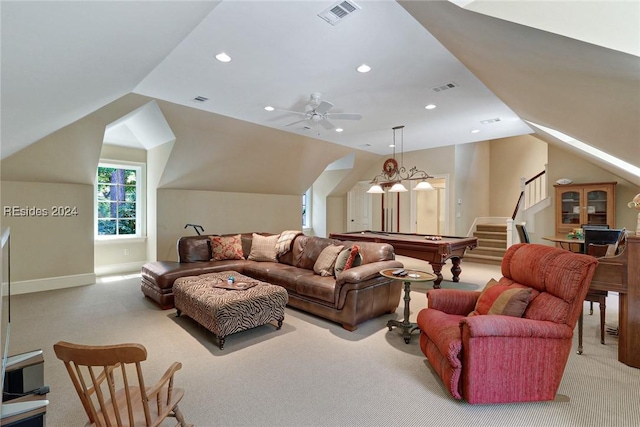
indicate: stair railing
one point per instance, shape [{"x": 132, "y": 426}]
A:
[{"x": 533, "y": 190}]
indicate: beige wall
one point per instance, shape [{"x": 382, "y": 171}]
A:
[
  {"x": 49, "y": 246},
  {"x": 221, "y": 213},
  {"x": 213, "y": 150},
  {"x": 470, "y": 198},
  {"x": 336, "y": 214},
  {"x": 563, "y": 164},
  {"x": 511, "y": 159},
  {"x": 156, "y": 160},
  {"x": 322, "y": 188}
]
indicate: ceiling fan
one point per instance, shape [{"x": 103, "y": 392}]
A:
[{"x": 317, "y": 112}]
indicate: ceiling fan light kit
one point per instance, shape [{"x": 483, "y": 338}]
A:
[{"x": 393, "y": 173}]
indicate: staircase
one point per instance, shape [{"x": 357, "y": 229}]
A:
[{"x": 492, "y": 244}]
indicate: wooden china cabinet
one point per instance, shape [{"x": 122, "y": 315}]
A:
[{"x": 578, "y": 204}]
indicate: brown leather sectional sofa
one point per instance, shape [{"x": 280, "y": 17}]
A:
[{"x": 356, "y": 295}]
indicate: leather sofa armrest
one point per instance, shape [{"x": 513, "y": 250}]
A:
[
  {"x": 365, "y": 272},
  {"x": 452, "y": 301}
]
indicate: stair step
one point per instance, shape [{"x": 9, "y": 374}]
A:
[
  {"x": 492, "y": 227},
  {"x": 496, "y": 252},
  {"x": 492, "y": 243},
  {"x": 483, "y": 259},
  {"x": 490, "y": 235}
]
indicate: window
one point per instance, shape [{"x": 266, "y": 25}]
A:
[
  {"x": 306, "y": 209},
  {"x": 119, "y": 202}
]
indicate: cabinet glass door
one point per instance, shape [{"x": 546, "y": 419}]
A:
[
  {"x": 571, "y": 207},
  {"x": 596, "y": 207}
]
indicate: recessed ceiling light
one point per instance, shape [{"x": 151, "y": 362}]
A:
[
  {"x": 392, "y": 145},
  {"x": 430, "y": 106},
  {"x": 223, "y": 57},
  {"x": 475, "y": 131},
  {"x": 364, "y": 68},
  {"x": 269, "y": 108},
  {"x": 339, "y": 129}
]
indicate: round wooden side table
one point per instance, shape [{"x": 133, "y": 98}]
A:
[{"x": 412, "y": 276}]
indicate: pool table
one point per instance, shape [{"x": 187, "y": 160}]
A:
[{"x": 434, "y": 249}]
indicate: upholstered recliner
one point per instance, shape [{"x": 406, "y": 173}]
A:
[{"x": 499, "y": 358}]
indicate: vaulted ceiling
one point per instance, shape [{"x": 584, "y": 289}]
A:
[{"x": 510, "y": 61}]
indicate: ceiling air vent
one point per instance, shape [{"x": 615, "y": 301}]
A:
[
  {"x": 200, "y": 99},
  {"x": 486, "y": 122},
  {"x": 446, "y": 86},
  {"x": 334, "y": 14}
]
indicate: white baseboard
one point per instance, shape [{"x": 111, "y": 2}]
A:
[
  {"x": 49, "y": 283},
  {"x": 106, "y": 270}
]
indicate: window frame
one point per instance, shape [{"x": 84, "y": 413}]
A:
[
  {"x": 306, "y": 221},
  {"x": 141, "y": 196}
]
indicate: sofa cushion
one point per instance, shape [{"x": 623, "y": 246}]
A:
[
  {"x": 326, "y": 260},
  {"x": 194, "y": 249},
  {"x": 263, "y": 248},
  {"x": 226, "y": 247},
  {"x": 548, "y": 307},
  {"x": 309, "y": 248},
  {"x": 348, "y": 258},
  {"x": 503, "y": 299},
  {"x": 315, "y": 287}
]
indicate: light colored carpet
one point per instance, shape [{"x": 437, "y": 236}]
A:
[{"x": 311, "y": 372}]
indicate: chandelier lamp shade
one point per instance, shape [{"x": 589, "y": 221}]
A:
[{"x": 393, "y": 173}]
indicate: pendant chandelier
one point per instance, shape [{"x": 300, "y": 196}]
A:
[{"x": 393, "y": 173}]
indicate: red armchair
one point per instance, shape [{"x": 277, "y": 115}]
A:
[{"x": 493, "y": 358}]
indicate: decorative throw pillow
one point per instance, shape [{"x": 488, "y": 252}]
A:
[
  {"x": 326, "y": 260},
  {"x": 347, "y": 259},
  {"x": 507, "y": 300},
  {"x": 355, "y": 251},
  {"x": 226, "y": 247},
  {"x": 263, "y": 248}
]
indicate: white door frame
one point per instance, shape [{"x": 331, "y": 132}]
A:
[{"x": 413, "y": 206}]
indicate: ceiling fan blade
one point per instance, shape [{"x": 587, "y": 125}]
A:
[
  {"x": 296, "y": 122},
  {"x": 327, "y": 124},
  {"x": 344, "y": 116},
  {"x": 323, "y": 107},
  {"x": 302, "y": 113}
]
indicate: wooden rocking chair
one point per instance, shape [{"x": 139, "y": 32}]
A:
[{"x": 111, "y": 387}]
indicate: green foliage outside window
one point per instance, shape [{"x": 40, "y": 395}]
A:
[{"x": 116, "y": 201}]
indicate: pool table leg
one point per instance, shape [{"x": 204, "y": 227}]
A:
[
  {"x": 455, "y": 269},
  {"x": 437, "y": 268}
]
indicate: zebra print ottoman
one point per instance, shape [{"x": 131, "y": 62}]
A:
[{"x": 225, "y": 308}]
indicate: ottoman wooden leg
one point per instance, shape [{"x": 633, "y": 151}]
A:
[
  {"x": 280, "y": 323},
  {"x": 221, "y": 343}
]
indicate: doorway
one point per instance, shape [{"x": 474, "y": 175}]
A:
[
  {"x": 431, "y": 209},
  {"x": 359, "y": 208}
]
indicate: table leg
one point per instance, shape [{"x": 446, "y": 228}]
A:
[
  {"x": 406, "y": 325},
  {"x": 580, "y": 327},
  {"x": 455, "y": 269},
  {"x": 437, "y": 268}
]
